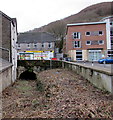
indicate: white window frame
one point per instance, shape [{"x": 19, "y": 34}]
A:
[
  {"x": 111, "y": 33},
  {"x": 100, "y": 31},
  {"x": 28, "y": 45},
  {"x": 110, "y": 54},
  {"x": 78, "y": 43},
  {"x": 43, "y": 45},
  {"x": 87, "y": 43},
  {"x": 111, "y": 42},
  {"x": 76, "y": 35},
  {"x": 19, "y": 45},
  {"x": 100, "y": 43},
  {"x": 88, "y": 32},
  {"x": 50, "y": 44},
  {"x": 34, "y": 45},
  {"x": 111, "y": 23}
]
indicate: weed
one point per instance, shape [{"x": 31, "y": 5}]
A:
[{"x": 40, "y": 86}]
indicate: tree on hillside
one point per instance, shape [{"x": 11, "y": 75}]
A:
[{"x": 58, "y": 30}]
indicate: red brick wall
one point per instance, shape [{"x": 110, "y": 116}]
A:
[{"x": 82, "y": 29}]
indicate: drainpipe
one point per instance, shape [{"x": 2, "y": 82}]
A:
[{"x": 6, "y": 50}]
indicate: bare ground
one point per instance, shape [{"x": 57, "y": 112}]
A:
[{"x": 59, "y": 93}]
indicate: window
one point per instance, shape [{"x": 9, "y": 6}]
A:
[
  {"x": 88, "y": 33},
  {"x": 100, "y": 33},
  {"x": 78, "y": 54},
  {"x": 110, "y": 53},
  {"x": 88, "y": 42},
  {"x": 101, "y": 42},
  {"x": 49, "y": 45},
  {"x": 111, "y": 23},
  {"x": 94, "y": 33},
  {"x": 35, "y": 45},
  {"x": 77, "y": 44},
  {"x": 111, "y": 42},
  {"x": 42, "y": 44},
  {"x": 111, "y": 33},
  {"x": 18, "y": 45},
  {"x": 28, "y": 45},
  {"x": 76, "y": 35}
]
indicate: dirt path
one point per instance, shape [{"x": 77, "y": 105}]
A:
[{"x": 59, "y": 94}]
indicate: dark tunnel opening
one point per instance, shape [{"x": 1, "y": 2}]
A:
[{"x": 27, "y": 75}]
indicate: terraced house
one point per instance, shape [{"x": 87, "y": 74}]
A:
[
  {"x": 90, "y": 41},
  {"x": 36, "y": 46}
]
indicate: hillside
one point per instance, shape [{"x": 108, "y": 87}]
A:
[{"x": 92, "y": 13}]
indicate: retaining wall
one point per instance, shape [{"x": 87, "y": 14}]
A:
[
  {"x": 101, "y": 78},
  {"x": 5, "y": 77}
]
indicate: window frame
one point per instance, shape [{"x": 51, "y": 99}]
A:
[
  {"x": 111, "y": 23},
  {"x": 99, "y": 33},
  {"x": 88, "y": 41},
  {"x": 88, "y": 32},
  {"x": 79, "y": 55},
  {"x": 100, "y": 43},
  {"x": 76, "y": 35},
  {"x": 111, "y": 42},
  {"x": 78, "y": 43},
  {"x": 50, "y": 45},
  {"x": 42, "y": 45},
  {"x": 28, "y": 45},
  {"x": 111, "y": 32},
  {"x": 35, "y": 45},
  {"x": 19, "y": 45}
]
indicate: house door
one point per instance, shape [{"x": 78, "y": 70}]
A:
[{"x": 94, "y": 55}]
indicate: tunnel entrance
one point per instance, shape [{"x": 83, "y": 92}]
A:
[{"x": 27, "y": 75}]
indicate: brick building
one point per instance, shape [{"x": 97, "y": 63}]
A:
[
  {"x": 88, "y": 41},
  {"x": 36, "y": 46}
]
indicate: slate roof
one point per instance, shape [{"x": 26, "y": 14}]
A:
[{"x": 35, "y": 37}]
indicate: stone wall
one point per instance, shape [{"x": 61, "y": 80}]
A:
[{"x": 37, "y": 65}]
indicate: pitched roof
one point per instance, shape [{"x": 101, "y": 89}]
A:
[
  {"x": 6, "y": 16},
  {"x": 35, "y": 37},
  {"x": 13, "y": 20}
]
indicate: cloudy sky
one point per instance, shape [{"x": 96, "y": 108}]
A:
[{"x": 32, "y": 14}]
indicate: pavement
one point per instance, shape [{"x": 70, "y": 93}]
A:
[{"x": 96, "y": 65}]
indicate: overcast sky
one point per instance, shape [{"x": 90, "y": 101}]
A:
[{"x": 32, "y": 14}]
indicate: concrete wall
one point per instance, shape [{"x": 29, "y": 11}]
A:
[
  {"x": 14, "y": 49},
  {"x": 100, "y": 78},
  {"x": 72, "y": 54},
  {"x": 6, "y": 77}
]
